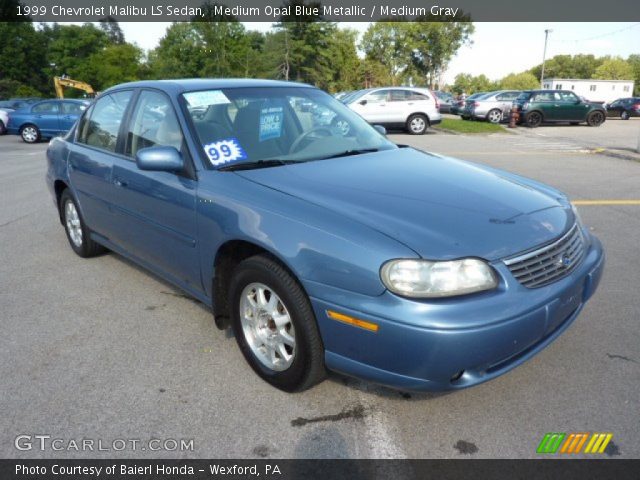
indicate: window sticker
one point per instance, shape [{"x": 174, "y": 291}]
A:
[
  {"x": 224, "y": 151},
  {"x": 206, "y": 98},
  {"x": 270, "y": 123}
]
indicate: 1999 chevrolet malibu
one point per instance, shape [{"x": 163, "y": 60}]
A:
[{"x": 321, "y": 243}]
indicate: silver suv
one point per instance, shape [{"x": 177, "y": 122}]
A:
[
  {"x": 414, "y": 109},
  {"x": 493, "y": 106}
]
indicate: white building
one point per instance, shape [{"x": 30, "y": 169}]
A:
[{"x": 604, "y": 91}]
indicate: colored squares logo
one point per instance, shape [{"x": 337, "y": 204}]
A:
[{"x": 574, "y": 442}]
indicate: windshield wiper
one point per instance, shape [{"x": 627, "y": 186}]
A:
[
  {"x": 274, "y": 162},
  {"x": 348, "y": 153}
]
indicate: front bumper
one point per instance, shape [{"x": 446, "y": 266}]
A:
[{"x": 453, "y": 343}]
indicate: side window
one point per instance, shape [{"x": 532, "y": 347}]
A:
[
  {"x": 398, "y": 95},
  {"x": 70, "y": 108},
  {"x": 153, "y": 123},
  {"x": 46, "y": 107},
  {"x": 101, "y": 128},
  {"x": 507, "y": 96},
  {"x": 544, "y": 97},
  {"x": 568, "y": 97},
  {"x": 377, "y": 97},
  {"x": 417, "y": 96},
  {"x": 83, "y": 126}
]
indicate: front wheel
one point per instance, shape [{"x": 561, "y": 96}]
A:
[
  {"x": 77, "y": 232},
  {"x": 417, "y": 124},
  {"x": 494, "y": 116},
  {"x": 624, "y": 115},
  {"x": 595, "y": 119},
  {"x": 533, "y": 119},
  {"x": 3, "y": 128},
  {"x": 274, "y": 325},
  {"x": 30, "y": 134}
]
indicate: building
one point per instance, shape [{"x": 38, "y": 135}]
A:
[{"x": 604, "y": 91}]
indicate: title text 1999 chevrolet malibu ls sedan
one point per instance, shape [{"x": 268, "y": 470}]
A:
[{"x": 324, "y": 246}]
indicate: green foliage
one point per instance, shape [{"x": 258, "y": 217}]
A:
[
  {"x": 22, "y": 55},
  {"x": 415, "y": 51},
  {"x": 634, "y": 62},
  {"x": 568, "y": 66},
  {"x": 466, "y": 83},
  {"x": 614, "y": 69},
  {"x": 519, "y": 81},
  {"x": 468, "y": 126}
]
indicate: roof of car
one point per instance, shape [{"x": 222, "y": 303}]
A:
[{"x": 190, "y": 84}]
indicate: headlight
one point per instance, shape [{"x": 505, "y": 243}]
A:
[{"x": 424, "y": 279}]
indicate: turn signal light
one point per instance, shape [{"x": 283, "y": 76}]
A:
[{"x": 356, "y": 322}]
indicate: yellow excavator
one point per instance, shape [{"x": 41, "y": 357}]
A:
[{"x": 64, "y": 81}]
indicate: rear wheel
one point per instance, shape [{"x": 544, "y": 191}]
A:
[
  {"x": 274, "y": 325},
  {"x": 624, "y": 115},
  {"x": 3, "y": 128},
  {"x": 417, "y": 124},
  {"x": 30, "y": 134},
  {"x": 533, "y": 119},
  {"x": 494, "y": 116},
  {"x": 595, "y": 119},
  {"x": 77, "y": 232}
]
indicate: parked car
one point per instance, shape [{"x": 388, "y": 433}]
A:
[
  {"x": 464, "y": 107},
  {"x": 45, "y": 119},
  {"x": 445, "y": 99},
  {"x": 4, "y": 120},
  {"x": 494, "y": 106},
  {"x": 624, "y": 108},
  {"x": 323, "y": 249},
  {"x": 555, "y": 106},
  {"x": 18, "y": 103},
  {"x": 414, "y": 109}
]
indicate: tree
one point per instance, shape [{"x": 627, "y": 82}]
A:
[
  {"x": 22, "y": 55},
  {"x": 181, "y": 53},
  {"x": 519, "y": 81},
  {"x": 466, "y": 83},
  {"x": 115, "y": 64},
  {"x": 110, "y": 26},
  {"x": 614, "y": 69},
  {"x": 634, "y": 62},
  {"x": 567, "y": 66},
  {"x": 411, "y": 50}
]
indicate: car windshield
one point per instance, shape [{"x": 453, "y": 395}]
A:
[{"x": 277, "y": 125}]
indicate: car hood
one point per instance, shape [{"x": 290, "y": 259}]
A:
[{"x": 441, "y": 208}]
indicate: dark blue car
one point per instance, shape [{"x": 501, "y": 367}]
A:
[
  {"x": 323, "y": 245},
  {"x": 45, "y": 119}
]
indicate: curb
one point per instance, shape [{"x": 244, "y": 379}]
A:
[{"x": 635, "y": 157}]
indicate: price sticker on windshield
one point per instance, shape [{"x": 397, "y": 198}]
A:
[
  {"x": 270, "y": 123},
  {"x": 225, "y": 151}
]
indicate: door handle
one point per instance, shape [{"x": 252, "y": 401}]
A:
[{"x": 119, "y": 183}]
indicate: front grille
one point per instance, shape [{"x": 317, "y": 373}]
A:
[{"x": 550, "y": 263}]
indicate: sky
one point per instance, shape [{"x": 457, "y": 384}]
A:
[{"x": 497, "y": 49}]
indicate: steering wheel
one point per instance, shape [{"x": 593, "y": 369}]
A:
[{"x": 296, "y": 143}]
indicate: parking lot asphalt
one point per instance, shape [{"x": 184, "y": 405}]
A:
[{"x": 101, "y": 349}]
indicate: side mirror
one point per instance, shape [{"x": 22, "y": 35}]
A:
[
  {"x": 380, "y": 129},
  {"x": 362, "y": 102},
  {"x": 161, "y": 159}
]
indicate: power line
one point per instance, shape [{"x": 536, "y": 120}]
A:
[{"x": 629, "y": 27}]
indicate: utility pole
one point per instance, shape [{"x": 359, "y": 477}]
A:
[{"x": 544, "y": 55}]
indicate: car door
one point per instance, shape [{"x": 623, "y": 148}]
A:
[
  {"x": 570, "y": 108},
  {"x": 373, "y": 106},
  {"x": 69, "y": 114},
  {"x": 45, "y": 116},
  {"x": 399, "y": 106},
  {"x": 505, "y": 101},
  {"x": 154, "y": 211},
  {"x": 546, "y": 103},
  {"x": 90, "y": 160}
]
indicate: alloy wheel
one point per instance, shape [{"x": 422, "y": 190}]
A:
[
  {"x": 72, "y": 221},
  {"x": 29, "y": 134},
  {"x": 495, "y": 116},
  {"x": 267, "y": 327},
  {"x": 417, "y": 125}
]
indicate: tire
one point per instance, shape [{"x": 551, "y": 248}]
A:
[
  {"x": 30, "y": 134},
  {"x": 261, "y": 339},
  {"x": 3, "y": 128},
  {"x": 595, "y": 119},
  {"x": 417, "y": 124},
  {"x": 494, "y": 116},
  {"x": 624, "y": 115},
  {"x": 77, "y": 232},
  {"x": 574, "y": 123},
  {"x": 533, "y": 119}
]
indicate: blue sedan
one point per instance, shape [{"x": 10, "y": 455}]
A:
[
  {"x": 321, "y": 243},
  {"x": 45, "y": 119}
]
